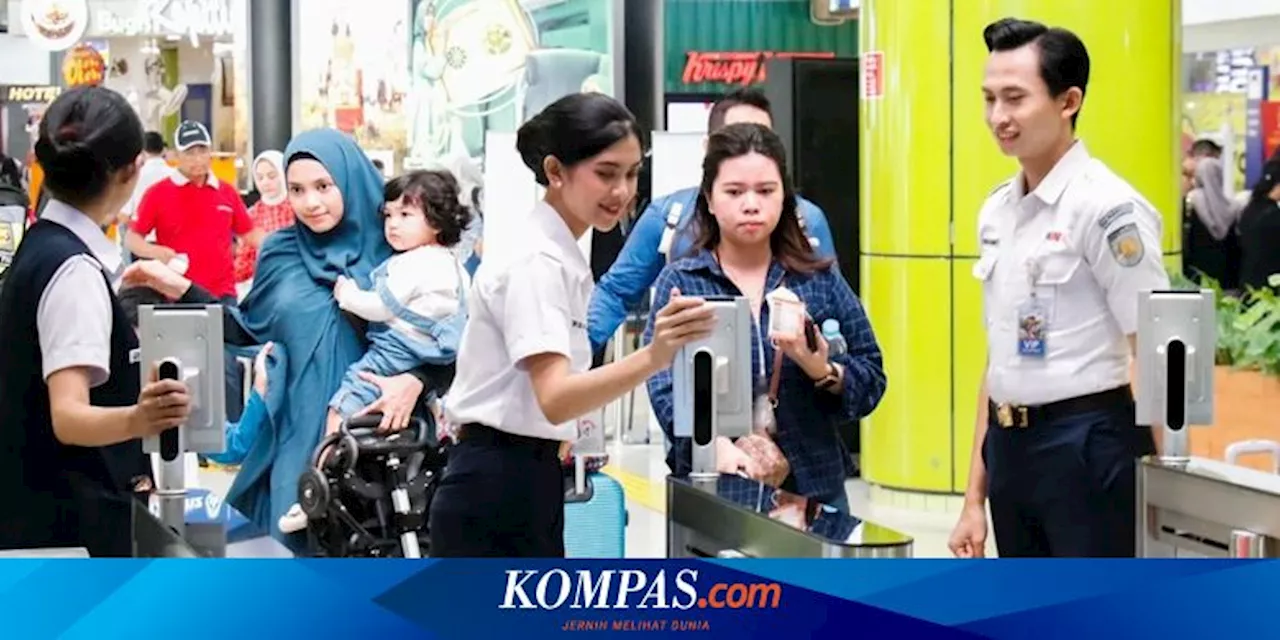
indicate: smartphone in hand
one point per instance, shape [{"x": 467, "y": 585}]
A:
[{"x": 811, "y": 333}]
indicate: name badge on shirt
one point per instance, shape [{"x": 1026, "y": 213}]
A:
[
  {"x": 1033, "y": 325},
  {"x": 135, "y": 356}
]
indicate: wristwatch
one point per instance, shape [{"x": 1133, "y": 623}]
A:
[{"x": 831, "y": 379}]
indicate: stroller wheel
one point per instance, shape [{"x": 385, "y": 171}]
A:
[
  {"x": 348, "y": 452},
  {"x": 313, "y": 494}
]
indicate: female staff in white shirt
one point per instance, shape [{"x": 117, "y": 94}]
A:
[{"x": 523, "y": 363}]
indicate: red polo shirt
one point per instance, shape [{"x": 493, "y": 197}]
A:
[{"x": 201, "y": 221}]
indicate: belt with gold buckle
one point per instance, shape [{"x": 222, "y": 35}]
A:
[
  {"x": 1009, "y": 416},
  {"x": 1012, "y": 416}
]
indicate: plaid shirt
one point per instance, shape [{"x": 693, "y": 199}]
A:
[
  {"x": 806, "y": 416},
  {"x": 269, "y": 218}
]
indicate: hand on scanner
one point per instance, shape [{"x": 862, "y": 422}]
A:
[
  {"x": 162, "y": 405},
  {"x": 681, "y": 321}
]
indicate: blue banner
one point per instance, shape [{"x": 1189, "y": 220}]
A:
[
  {"x": 1254, "y": 145},
  {"x": 398, "y": 600}
]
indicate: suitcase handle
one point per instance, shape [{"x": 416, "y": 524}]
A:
[
  {"x": 1237, "y": 449},
  {"x": 573, "y": 495}
]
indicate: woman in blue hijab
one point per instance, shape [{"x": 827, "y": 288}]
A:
[{"x": 336, "y": 194}]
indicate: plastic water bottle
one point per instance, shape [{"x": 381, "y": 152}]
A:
[{"x": 836, "y": 345}]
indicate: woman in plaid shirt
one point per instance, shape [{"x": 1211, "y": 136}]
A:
[
  {"x": 270, "y": 213},
  {"x": 750, "y": 244}
]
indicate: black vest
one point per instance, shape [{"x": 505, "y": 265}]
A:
[{"x": 52, "y": 494}]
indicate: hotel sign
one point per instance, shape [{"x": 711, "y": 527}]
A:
[{"x": 29, "y": 92}]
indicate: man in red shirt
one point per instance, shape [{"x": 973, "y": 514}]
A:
[{"x": 194, "y": 215}]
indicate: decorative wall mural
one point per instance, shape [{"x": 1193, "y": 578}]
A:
[{"x": 428, "y": 84}]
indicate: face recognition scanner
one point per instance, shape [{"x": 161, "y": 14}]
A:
[
  {"x": 711, "y": 384},
  {"x": 1176, "y": 349},
  {"x": 184, "y": 342},
  {"x": 710, "y": 514},
  {"x": 1189, "y": 506}
]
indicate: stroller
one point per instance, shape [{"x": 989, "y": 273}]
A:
[{"x": 371, "y": 495}]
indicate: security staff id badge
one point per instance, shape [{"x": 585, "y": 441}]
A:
[{"x": 1033, "y": 325}]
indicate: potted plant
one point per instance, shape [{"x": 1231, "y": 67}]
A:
[{"x": 1247, "y": 376}]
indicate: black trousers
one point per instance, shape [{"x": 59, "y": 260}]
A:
[
  {"x": 501, "y": 496},
  {"x": 1065, "y": 487}
]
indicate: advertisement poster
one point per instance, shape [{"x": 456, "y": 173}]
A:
[
  {"x": 354, "y": 60},
  {"x": 1270, "y": 128},
  {"x": 429, "y": 79}
]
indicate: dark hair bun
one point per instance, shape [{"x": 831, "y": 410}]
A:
[
  {"x": 67, "y": 160},
  {"x": 85, "y": 136},
  {"x": 574, "y": 128},
  {"x": 532, "y": 148}
]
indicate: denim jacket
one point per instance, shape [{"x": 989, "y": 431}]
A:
[{"x": 806, "y": 416}]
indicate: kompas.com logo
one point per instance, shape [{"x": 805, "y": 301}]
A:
[{"x": 622, "y": 589}]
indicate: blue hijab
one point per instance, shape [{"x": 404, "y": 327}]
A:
[{"x": 292, "y": 304}]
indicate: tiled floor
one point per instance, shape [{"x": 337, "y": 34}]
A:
[{"x": 641, "y": 470}]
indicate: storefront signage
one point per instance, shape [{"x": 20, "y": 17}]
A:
[
  {"x": 872, "y": 75},
  {"x": 83, "y": 66},
  {"x": 29, "y": 93},
  {"x": 192, "y": 18},
  {"x": 736, "y": 67},
  {"x": 54, "y": 24}
]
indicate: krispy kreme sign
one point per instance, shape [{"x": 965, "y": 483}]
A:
[{"x": 735, "y": 67}]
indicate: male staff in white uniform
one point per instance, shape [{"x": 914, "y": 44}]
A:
[{"x": 1066, "y": 249}]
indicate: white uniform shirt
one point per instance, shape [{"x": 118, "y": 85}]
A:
[
  {"x": 425, "y": 280},
  {"x": 1087, "y": 244},
  {"x": 526, "y": 304},
  {"x": 74, "y": 315}
]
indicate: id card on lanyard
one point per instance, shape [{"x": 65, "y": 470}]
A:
[{"x": 1033, "y": 318}]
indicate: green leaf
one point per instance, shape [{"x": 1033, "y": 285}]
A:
[{"x": 1248, "y": 326}]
